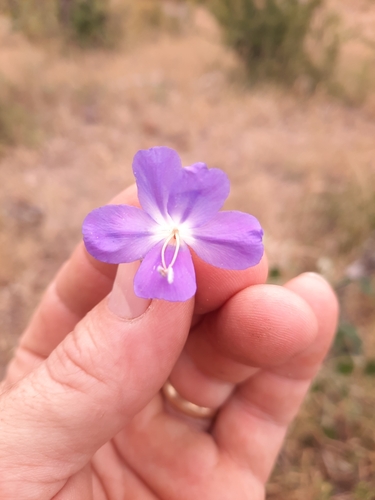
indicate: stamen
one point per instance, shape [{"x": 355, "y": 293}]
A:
[{"x": 164, "y": 270}]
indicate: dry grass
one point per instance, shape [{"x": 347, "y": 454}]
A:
[{"x": 304, "y": 166}]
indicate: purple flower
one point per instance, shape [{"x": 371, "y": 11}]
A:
[{"x": 180, "y": 210}]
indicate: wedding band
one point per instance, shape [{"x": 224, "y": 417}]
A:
[{"x": 183, "y": 405}]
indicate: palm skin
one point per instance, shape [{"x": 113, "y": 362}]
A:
[{"x": 98, "y": 427}]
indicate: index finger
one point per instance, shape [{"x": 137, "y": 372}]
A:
[{"x": 80, "y": 285}]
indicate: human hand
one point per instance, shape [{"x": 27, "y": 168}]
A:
[{"x": 82, "y": 416}]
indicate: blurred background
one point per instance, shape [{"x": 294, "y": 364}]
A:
[{"x": 278, "y": 93}]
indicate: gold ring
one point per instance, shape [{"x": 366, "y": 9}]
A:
[{"x": 183, "y": 405}]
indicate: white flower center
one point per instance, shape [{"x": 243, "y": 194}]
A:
[{"x": 167, "y": 270}]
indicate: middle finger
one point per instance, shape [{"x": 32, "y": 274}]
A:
[{"x": 261, "y": 326}]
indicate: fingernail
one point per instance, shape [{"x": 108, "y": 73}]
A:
[{"x": 123, "y": 301}]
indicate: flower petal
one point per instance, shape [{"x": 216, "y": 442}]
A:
[
  {"x": 155, "y": 170},
  {"x": 231, "y": 240},
  {"x": 198, "y": 194},
  {"x": 149, "y": 284},
  {"x": 119, "y": 233}
]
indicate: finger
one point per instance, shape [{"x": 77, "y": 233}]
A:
[
  {"x": 215, "y": 286},
  {"x": 252, "y": 425},
  {"x": 179, "y": 462},
  {"x": 79, "y": 286},
  {"x": 58, "y": 313},
  {"x": 95, "y": 381},
  {"x": 325, "y": 307},
  {"x": 260, "y": 327}
]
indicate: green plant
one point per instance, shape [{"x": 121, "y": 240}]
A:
[
  {"x": 279, "y": 39},
  {"x": 87, "y": 22}
]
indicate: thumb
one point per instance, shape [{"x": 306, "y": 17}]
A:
[{"x": 92, "y": 384}]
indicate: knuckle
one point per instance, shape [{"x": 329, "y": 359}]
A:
[{"x": 72, "y": 365}]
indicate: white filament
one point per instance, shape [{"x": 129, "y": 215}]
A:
[{"x": 164, "y": 270}]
